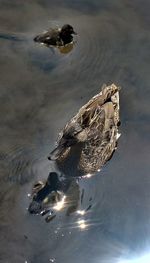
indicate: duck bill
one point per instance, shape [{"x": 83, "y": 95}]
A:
[
  {"x": 61, "y": 148},
  {"x": 75, "y": 33},
  {"x": 56, "y": 153}
]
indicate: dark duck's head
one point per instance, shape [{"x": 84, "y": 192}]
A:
[
  {"x": 68, "y": 29},
  {"x": 66, "y": 34}
]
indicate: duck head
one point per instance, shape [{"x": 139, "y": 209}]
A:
[
  {"x": 70, "y": 136},
  {"x": 65, "y": 143},
  {"x": 66, "y": 34},
  {"x": 68, "y": 30}
]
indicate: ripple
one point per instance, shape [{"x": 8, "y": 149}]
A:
[{"x": 95, "y": 54}]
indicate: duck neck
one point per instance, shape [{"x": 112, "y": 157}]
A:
[{"x": 66, "y": 38}]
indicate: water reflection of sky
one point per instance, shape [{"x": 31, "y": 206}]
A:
[
  {"x": 139, "y": 259},
  {"x": 39, "y": 91}
]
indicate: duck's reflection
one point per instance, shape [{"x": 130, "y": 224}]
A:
[
  {"x": 67, "y": 48},
  {"x": 62, "y": 49}
]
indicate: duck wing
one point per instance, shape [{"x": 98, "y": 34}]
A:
[
  {"x": 99, "y": 148},
  {"x": 50, "y": 37},
  {"x": 89, "y": 114},
  {"x": 109, "y": 136}
]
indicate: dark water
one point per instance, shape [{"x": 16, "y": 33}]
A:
[{"x": 40, "y": 90}]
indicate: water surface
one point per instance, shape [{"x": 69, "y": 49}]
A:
[{"x": 40, "y": 90}]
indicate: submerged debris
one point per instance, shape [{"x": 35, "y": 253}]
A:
[{"x": 95, "y": 127}]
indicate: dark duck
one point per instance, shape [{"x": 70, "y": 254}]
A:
[{"x": 56, "y": 37}]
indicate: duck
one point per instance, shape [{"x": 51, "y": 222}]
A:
[
  {"x": 96, "y": 128},
  {"x": 56, "y": 37}
]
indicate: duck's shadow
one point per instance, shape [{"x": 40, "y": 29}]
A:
[
  {"x": 69, "y": 166},
  {"x": 61, "y": 191}
]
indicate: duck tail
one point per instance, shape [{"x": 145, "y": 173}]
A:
[{"x": 36, "y": 39}]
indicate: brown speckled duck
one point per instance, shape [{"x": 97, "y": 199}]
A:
[{"x": 96, "y": 127}]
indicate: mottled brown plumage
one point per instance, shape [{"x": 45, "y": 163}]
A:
[{"x": 96, "y": 127}]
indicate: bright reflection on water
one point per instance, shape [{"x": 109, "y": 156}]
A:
[
  {"x": 81, "y": 212},
  {"x": 82, "y": 224},
  {"x": 60, "y": 205},
  {"x": 87, "y": 175},
  {"x": 141, "y": 259}
]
